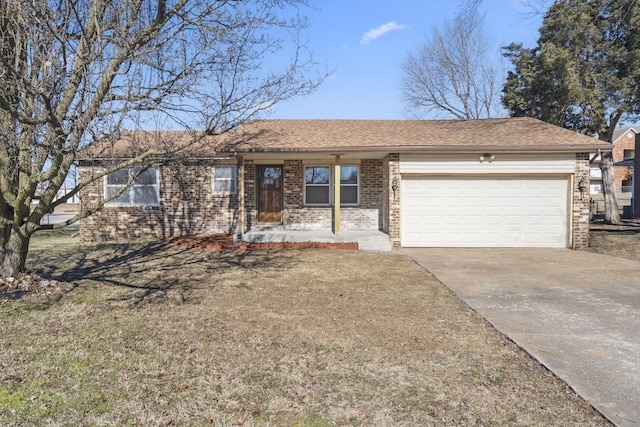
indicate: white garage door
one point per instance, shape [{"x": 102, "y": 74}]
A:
[{"x": 484, "y": 212}]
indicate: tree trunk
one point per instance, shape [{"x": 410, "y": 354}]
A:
[
  {"x": 13, "y": 255},
  {"x": 611, "y": 213}
]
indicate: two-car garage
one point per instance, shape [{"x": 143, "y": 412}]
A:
[{"x": 512, "y": 201}]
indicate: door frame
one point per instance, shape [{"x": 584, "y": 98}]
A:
[{"x": 259, "y": 174}]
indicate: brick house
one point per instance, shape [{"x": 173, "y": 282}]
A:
[
  {"x": 485, "y": 183},
  {"x": 623, "y": 152},
  {"x": 624, "y": 140}
]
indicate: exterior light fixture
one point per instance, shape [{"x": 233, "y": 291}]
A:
[
  {"x": 487, "y": 157},
  {"x": 394, "y": 185},
  {"x": 582, "y": 186}
]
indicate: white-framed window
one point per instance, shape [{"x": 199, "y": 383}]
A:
[
  {"x": 319, "y": 181},
  {"x": 349, "y": 183},
  {"x": 143, "y": 191},
  {"x": 224, "y": 179},
  {"x": 317, "y": 185}
]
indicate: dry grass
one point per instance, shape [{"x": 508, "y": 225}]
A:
[
  {"x": 156, "y": 334},
  {"x": 618, "y": 240}
]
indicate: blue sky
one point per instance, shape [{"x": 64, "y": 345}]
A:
[{"x": 365, "y": 43}]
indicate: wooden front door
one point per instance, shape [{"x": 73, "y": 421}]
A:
[{"x": 269, "y": 193}]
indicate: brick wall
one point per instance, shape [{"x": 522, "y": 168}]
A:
[
  {"x": 622, "y": 173},
  {"x": 293, "y": 185},
  {"x": 250, "y": 202},
  {"x": 372, "y": 190},
  {"x": 392, "y": 208},
  {"x": 367, "y": 216},
  {"x": 187, "y": 205},
  {"x": 581, "y": 203},
  {"x": 624, "y": 142}
]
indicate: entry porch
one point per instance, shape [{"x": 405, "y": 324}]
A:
[{"x": 367, "y": 240}]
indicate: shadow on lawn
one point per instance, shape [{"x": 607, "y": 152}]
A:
[{"x": 154, "y": 270}]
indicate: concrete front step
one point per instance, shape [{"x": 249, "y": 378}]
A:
[{"x": 367, "y": 240}]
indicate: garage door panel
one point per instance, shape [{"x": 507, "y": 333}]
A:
[{"x": 484, "y": 211}]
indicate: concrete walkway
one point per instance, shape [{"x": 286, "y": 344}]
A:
[{"x": 577, "y": 312}]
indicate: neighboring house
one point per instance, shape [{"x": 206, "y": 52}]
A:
[
  {"x": 515, "y": 182},
  {"x": 624, "y": 140},
  {"x": 623, "y": 152},
  {"x": 61, "y": 193}
]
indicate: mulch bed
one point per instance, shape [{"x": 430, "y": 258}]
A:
[{"x": 225, "y": 241}]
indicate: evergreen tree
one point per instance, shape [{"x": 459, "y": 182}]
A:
[{"x": 584, "y": 74}]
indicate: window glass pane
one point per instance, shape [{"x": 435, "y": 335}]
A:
[
  {"x": 271, "y": 175},
  {"x": 348, "y": 195},
  {"x": 223, "y": 172},
  {"x": 222, "y": 186},
  {"x": 145, "y": 196},
  {"x": 224, "y": 179},
  {"x": 318, "y": 195},
  {"x": 119, "y": 177},
  {"x": 123, "y": 199},
  {"x": 349, "y": 175},
  {"x": 147, "y": 177},
  {"x": 143, "y": 192},
  {"x": 316, "y": 175}
]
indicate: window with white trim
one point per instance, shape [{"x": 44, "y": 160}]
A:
[
  {"x": 224, "y": 179},
  {"x": 318, "y": 184},
  {"x": 349, "y": 185},
  {"x": 143, "y": 191}
]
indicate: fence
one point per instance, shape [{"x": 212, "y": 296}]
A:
[{"x": 624, "y": 205}]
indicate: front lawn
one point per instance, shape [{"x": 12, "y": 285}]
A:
[
  {"x": 622, "y": 240},
  {"x": 156, "y": 334}
]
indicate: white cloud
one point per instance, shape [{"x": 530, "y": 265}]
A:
[{"x": 380, "y": 31}]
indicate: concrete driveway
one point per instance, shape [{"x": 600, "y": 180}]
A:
[{"x": 578, "y": 313}]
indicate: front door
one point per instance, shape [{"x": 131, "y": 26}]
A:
[{"x": 269, "y": 193}]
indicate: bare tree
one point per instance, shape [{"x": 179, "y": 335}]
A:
[
  {"x": 73, "y": 72},
  {"x": 453, "y": 72},
  {"x": 535, "y": 8}
]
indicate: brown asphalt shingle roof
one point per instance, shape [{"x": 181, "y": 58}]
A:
[{"x": 512, "y": 134}]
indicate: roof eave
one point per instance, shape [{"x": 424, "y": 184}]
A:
[{"x": 582, "y": 148}]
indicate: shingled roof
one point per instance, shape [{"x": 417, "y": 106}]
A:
[
  {"x": 621, "y": 130},
  {"x": 495, "y": 135}
]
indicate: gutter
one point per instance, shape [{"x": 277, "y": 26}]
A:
[
  {"x": 432, "y": 148},
  {"x": 533, "y": 149}
]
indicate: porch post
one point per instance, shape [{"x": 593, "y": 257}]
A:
[{"x": 336, "y": 195}]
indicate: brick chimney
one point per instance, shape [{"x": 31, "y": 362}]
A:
[{"x": 636, "y": 178}]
